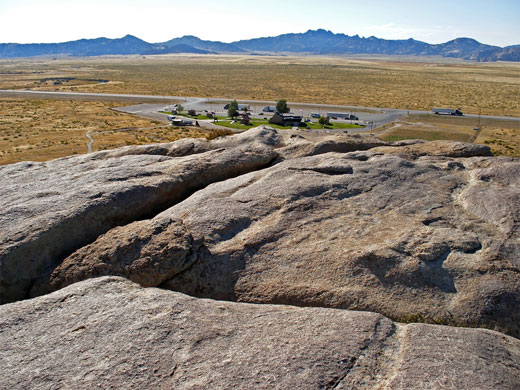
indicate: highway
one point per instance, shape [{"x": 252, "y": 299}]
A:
[{"x": 150, "y": 105}]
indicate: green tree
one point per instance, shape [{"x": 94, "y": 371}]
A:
[
  {"x": 180, "y": 108},
  {"x": 281, "y": 106},
  {"x": 233, "y": 109},
  {"x": 323, "y": 121}
]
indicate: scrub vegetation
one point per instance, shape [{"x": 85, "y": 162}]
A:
[
  {"x": 501, "y": 135},
  {"x": 44, "y": 129},
  {"x": 41, "y": 130},
  {"x": 491, "y": 88}
]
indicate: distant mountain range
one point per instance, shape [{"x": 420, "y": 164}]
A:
[{"x": 312, "y": 42}]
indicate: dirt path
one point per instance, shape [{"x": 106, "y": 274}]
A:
[
  {"x": 91, "y": 141},
  {"x": 475, "y": 136}
]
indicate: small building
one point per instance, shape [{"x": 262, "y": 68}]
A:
[{"x": 286, "y": 120}]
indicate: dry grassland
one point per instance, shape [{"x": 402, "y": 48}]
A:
[
  {"x": 504, "y": 139},
  {"x": 502, "y": 136},
  {"x": 492, "y": 88},
  {"x": 41, "y": 130}
]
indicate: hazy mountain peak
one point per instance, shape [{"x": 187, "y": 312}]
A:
[
  {"x": 320, "y": 41},
  {"x": 319, "y": 31}
]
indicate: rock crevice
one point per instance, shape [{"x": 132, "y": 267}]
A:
[
  {"x": 414, "y": 233},
  {"x": 96, "y": 195}
]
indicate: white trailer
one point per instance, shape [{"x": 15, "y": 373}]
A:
[
  {"x": 342, "y": 115},
  {"x": 241, "y": 107},
  {"x": 336, "y": 115},
  {"x": 447, "y": 111}
]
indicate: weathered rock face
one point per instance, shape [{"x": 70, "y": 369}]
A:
[
  {"x": 109, "y": 332},
  {"x": 414, "y": 231},
  {"x": 413, "y": 238},
  {"x": 51, "y": 209},
  {"x": 435, "y": 148}
]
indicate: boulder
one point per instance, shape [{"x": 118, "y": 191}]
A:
[
  {"x": 51, "y": 209},
  {"x": 342, "y": 144},
  {"x": 435, "y": 148},
  {"x": 111, "y": 333},
  {"x": 264, "y": 136},
  {"x": 413, "y": 239}
]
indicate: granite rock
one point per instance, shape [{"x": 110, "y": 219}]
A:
[{"x": 110, "y": 333}]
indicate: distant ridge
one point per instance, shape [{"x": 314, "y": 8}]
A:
[
  {"x": 180, "y": 48},
  {"x": 326, "y": 42},
  {"x": 83, "y": 47},
  {"x": 218, "y": 47},
  {"x": 311, "y": 42}
]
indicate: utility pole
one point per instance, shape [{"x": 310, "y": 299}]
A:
[{"x": 478, "y": 125}]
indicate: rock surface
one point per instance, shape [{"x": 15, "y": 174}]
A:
[
  {"x": 51, "y": 209},
  {"x": 110, "y": 333},
  {"x": 416, "y": 239},
  {"x": 435, "y": 148},
  {"x": 416, "y": 231}
]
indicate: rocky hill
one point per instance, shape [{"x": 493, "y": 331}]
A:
[
  {"x": 326, "y": 42},
  {"x": 400, "y": 237},
  {"x": 83, "y": 47},
  {"x": 311, "y": 42},
  {"x": 211, "y": 46}
]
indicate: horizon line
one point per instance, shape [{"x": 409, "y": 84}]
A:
[{"x": 240, "y": 40}]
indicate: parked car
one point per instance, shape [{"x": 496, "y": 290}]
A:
[{"x": 315, "y": 115}]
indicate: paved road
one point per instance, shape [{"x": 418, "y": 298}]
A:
[
  {"x": 377, "y": 116},
  {"x": 146, "y": 110},
  {"x": 33, "y": 94},
  {"x": 151, "y": 111}
]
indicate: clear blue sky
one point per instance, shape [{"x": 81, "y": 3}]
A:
[{"x": 489, "y": 21}]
